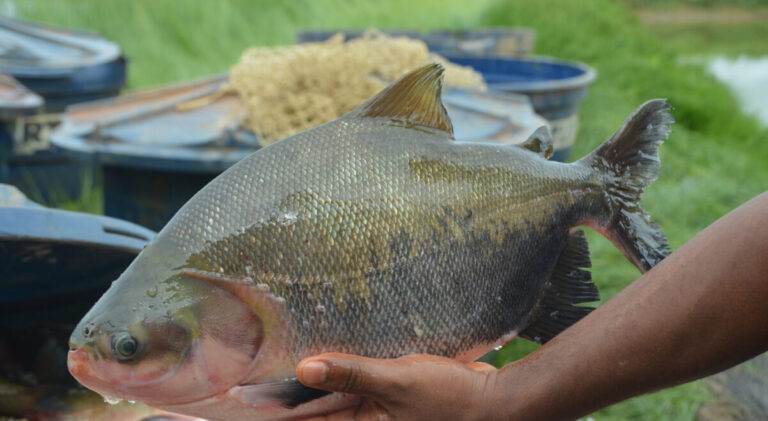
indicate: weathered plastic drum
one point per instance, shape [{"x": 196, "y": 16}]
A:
[
  {"x": 63, "y": 67},
  {"x": 555, "y": 87},
  {"x": 55, "y": 264}
]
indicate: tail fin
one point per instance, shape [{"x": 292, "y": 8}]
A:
[{"x": 630, "y": 161}]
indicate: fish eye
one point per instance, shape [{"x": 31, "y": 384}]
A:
[{"x": 124, "y": 346}]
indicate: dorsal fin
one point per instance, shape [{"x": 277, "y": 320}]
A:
[
  {"x": 540, "y": 142},
  {"x": 414, "y": 99}
]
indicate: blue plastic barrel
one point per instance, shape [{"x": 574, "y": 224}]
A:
[
  {"x": 63, "y": 67},
  {"x": 155, "y": 153},
  {"x": 555, "y": 87},
  {"x": 152, "y": 162},
  {"x": 15, "y": 101},
  {"x": 55, "y": 264}
]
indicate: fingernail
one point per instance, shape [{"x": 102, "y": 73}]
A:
[{"x": 314, "y": 372}]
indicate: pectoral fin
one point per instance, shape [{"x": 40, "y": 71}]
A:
[
  {"x": 288, "y": 393},
  {"x": 270, "y": 308}
]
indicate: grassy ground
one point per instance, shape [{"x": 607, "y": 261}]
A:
[
  {"x": 718, "y": 39},
  {"x": 714, "y": 160},
  {"x": 169, "y": 40}
]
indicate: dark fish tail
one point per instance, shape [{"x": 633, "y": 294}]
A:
[{"x": 629, "y": 161}]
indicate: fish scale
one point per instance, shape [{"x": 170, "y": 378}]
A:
[
  {"x": 374, "y": 234},
  {"x": 317, "y": 243}
]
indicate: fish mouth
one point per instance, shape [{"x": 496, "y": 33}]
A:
[{"x": 81, "y": 367}]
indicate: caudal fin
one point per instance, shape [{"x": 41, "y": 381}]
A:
[{"x": 630, "y": 161}]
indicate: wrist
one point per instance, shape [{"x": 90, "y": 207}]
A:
[
  {"x": 523, "y": 390},
  {"x": 505, "y": 395}
]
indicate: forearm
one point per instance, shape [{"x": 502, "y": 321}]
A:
[{"x": 701, "y": 310}]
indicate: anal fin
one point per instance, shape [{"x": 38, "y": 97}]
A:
[{"x": 569, "y": 284}]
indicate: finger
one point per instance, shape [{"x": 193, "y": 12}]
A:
[
  {"x": 480, "y": 366},
  {"x": 350, "y": 374}
]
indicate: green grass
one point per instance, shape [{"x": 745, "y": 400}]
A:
[
  {"x": 171, "y": 40},
  {"x": 707, "y": 39},
  {"x": 714, "y": 160}
]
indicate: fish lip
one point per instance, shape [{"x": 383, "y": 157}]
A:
[{"x": 80, "y": 365}]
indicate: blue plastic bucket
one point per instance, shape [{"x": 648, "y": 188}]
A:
[{"x": 555, "y": 87}]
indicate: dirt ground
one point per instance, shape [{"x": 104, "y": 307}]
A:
[
  {"x": 741, "y": 393},
  {"x": 720, "y": 15}
]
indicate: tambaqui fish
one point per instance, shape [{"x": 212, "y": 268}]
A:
[{"x": 374, "y": 234}]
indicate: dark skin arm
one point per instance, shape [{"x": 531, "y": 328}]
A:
[{"x": 700, "y": 311}]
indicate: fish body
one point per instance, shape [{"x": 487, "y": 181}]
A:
[{"x": 374, "y": 234}]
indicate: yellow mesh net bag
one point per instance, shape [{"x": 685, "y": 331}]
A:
[{"x": 290, "y": 89}]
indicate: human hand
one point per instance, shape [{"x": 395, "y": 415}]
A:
[{"x": 413, "y": 387}]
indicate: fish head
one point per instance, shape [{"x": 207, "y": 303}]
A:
[{"x": 164, "y": 338}]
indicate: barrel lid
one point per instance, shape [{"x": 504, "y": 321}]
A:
[
  {"x": 501, "y": 117},
  {"x": 528, "y": 75},
  {"x": 21, "y": 218},
  {"x": 15, "y": 99},
  {"x": 195, "y": 126},
  {"x": 191, "y": 126},
  {"x": 30, "y": 49},
  {"x": 53, "y": 263},
  {"x": 48, "y": 252}
]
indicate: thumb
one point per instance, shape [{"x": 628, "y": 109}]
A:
[{"x": 349, "y": 374}]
